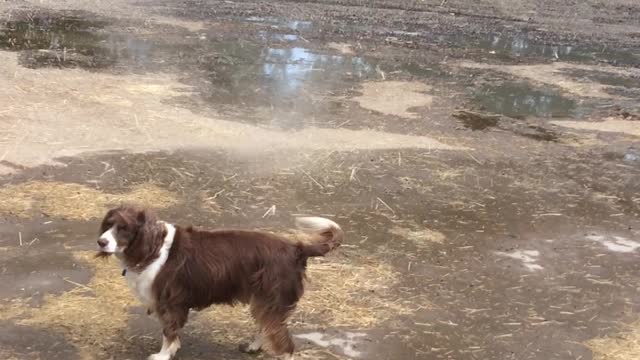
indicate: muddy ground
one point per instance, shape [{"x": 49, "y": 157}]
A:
[{"x": 482, "y": 156}]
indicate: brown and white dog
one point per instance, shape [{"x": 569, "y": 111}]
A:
[{"x": 173, "y": 269}]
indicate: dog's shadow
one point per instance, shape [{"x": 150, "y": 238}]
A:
[{"x": 145, "y": 338}]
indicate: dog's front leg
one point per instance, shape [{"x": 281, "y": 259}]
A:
[
  {"x": 254, "y": 346},
  {"x": 172, "y": 321},
  {"x": 169, "y": 348}
]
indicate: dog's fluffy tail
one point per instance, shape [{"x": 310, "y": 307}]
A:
[{"x": 326, "y": 235}]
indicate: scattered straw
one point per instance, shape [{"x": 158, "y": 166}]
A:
[
  {"x": 625, "y": 346},
  {"x": 74, "y": 201},
  {"x": 421, "y": 237},
  {"x": 91, "y": 315}
]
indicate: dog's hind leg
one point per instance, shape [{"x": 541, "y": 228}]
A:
[
  {"x": 258, "y": 342},
  {"x": 172, "y": 321},
  {"x": 277, "y": 334},
  {"x": 272, "y": 320}
]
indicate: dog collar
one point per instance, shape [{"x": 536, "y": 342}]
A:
[{"x": 124, "y": 271}]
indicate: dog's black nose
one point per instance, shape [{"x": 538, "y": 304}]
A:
[{"x": 103, "y": 242}]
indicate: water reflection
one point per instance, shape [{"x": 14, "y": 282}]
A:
[
  {"x": 278, "y": 37},
  {"x": 523, "y": 44},
  {"x": 520, "y": 100},
  {"x": 69, "y": 41},
  {"x": 288, "y": 69},
  {"x": 519, "y": 44},
  {"x": 285, "y": 81}
]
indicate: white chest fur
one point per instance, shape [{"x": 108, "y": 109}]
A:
[{"x": 141, "y": 282}]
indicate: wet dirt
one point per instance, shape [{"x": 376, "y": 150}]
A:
[
  {"x": 519, "y": 241},
  {"x": 65, "y": 40}
]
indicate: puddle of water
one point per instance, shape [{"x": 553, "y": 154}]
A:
[
  {"x": 289, "y": 68},
  {"x": 238, "y": 72},
  {"x": 520, "y": 44},
  {"x": 50, "y": 32},
  {"x": 286, "y": 80},
  {"x": 66, "y": 39},
  {"x": 519, "y": 100},
  {"x": 70, "y": 40}
]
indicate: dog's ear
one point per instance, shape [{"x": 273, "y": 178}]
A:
[{"x": 104, "y": 223}]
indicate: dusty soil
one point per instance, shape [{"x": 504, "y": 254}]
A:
[{"x": 507, "y": 231}]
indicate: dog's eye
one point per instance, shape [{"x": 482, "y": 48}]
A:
[{"x": 120, "y": 228}]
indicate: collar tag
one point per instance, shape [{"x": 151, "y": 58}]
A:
[{"x": 124, "y": 272}]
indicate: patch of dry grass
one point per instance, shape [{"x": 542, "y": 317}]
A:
[
  {"x": 89, "y": 315},
  {"x": 420, "y": 236},
  {"x": 624, "y": 346},
  {"x": 351, "y": 295},
  {"x": 74, "y": 201}
]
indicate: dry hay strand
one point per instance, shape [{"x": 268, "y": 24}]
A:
[
  {"x": 420, "y": 237},
  {"x": 448, "y": 174},
  {"x": 75, "y": 201},
  {"x": 89, "y": 315},
  {"x": 624, "y": 346}
]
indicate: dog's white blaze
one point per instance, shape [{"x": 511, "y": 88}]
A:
[
  {"x": 315, "y": 224},
  {"x": 141, "y": 282},
  {"x": 168, "y": 350},
  {"x": 112, "y": 244}
]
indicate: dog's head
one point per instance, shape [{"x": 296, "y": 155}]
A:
[{"x": 129, "y": 232}]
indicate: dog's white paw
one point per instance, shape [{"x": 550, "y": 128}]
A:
[{"x": 159, "y": 356}]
